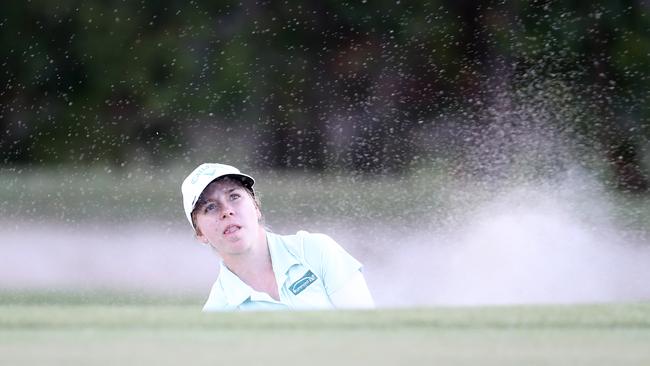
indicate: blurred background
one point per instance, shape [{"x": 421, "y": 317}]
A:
[{"x": 467, "y": 152}]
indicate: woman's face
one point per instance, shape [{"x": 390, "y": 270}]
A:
[{"x": 228, "y": 218}]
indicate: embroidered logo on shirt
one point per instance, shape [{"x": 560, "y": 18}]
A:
[{"x": 304, "y": 281}]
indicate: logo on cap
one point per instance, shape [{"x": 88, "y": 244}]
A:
[{"x": 206, "y": 170}]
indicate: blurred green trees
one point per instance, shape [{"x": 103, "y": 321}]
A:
[{"x": 363, "y": 85}]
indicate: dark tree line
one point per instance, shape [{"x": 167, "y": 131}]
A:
[{"x": 314, "y": 85}]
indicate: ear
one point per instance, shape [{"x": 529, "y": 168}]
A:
[{"x": 200, "y": 237}]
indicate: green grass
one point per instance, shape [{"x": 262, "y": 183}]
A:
[
  {"x": 96, "y": 194},
  {"x": 155, "y": 333},
  {"x": 423, "y": 198}
]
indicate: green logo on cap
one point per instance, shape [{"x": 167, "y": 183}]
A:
[{"x": 206, "y": 170}]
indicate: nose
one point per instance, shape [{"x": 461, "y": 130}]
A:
[{"x": 226, "y": 211}]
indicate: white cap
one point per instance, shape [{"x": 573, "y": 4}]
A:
[{"x": 203, "y": 175}]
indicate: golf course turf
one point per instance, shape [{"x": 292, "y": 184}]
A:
[{"x": 172, "y": 334}]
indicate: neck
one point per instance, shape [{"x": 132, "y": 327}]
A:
[{"x": 252, "y": 263}]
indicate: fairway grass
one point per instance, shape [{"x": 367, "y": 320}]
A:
[{"x": 79, "y": 334}]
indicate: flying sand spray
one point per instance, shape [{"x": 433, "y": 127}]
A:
[{"x": 537, "y": 223}]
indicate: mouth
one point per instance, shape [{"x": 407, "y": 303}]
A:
[{"x": 230, "y": 229}]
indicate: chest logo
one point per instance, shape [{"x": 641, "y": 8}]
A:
[{"x": 302, "y": 283}]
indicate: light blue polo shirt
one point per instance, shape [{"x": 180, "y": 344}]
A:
[{"x": 308, "y": 268}]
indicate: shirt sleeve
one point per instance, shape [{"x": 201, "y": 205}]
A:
[
  {"x": 337, "y": 266},
  {"x": 354, "y": 294}
]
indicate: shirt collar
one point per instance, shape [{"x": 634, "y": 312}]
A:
[
  {"x": 234, "y": 289},
  {"x": 281, "y": 258},
  {"x": 237, "y": 292}
]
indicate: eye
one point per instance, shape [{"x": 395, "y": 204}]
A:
[
  {"x": 209, "y": 207},
  {"x": 234, "y": 196}
]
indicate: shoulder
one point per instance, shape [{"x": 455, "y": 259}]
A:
[
  {"x": 317, "y": 243},
  {"x": 322, "y": 251},
  {"x": 304, "y": 244}
]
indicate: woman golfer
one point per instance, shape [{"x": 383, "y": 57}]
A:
[{"x": 261, "y": 270}]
